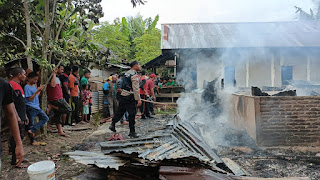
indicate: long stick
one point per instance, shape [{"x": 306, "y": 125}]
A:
[{"x": 154, "y": 102}]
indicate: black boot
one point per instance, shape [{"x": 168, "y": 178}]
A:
[
  {"x": 113, "y": 127},
  {"x": 133, "y": 134},
  {"x": 150, "y": 116}
]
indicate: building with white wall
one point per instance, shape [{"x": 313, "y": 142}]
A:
[{"x": 243, "y": 54}]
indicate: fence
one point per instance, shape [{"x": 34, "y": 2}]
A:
[{"x": 97, "y": 101}]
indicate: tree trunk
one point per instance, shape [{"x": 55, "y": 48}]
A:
[
  {"x": 44, "y": 71},
  {"x": 45, "y": 42},
  {"x": 28, "y": 31}
]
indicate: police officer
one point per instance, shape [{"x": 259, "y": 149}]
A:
[{"x": 129, "y": 98}]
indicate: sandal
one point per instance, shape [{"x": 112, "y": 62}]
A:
[
  {"x": 35, "y": 143},
  {"x": 63, "y": 135},
  {"x": 22, "y": 166}
]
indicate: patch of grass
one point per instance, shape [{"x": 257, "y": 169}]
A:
[
  {"x": 167, "y": 111},
  {"x": 96, "y": 119}
]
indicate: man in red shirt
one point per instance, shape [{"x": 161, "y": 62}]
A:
[
  {"x": 143, "y": 94},
  {"x": 150, "y": 86},
  {"x": 17, "y": 76},
  {"x": 150, "y": 91},
  {"x": 55, "y": 98},
  {"x": 146, "y": 92}
]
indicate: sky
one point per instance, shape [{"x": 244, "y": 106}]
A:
[{"x": 191, "y": 11}]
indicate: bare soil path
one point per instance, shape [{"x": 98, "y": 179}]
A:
[{"x": 66, "y": 168}]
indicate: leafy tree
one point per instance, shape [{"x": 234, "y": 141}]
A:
[
  {"x": 130, "y": 38},
  {"x": 12, "y": 30},
  {"x": 110, "y": 36},
  {"x": 148, "y": 46},
  {"x": 136, "y": 2},
  {"x": 135, "y": 27}
]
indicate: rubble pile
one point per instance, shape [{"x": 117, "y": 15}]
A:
[{"x": 176, "y": 145}]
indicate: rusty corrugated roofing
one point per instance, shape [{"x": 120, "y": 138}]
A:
[
  {"x": 240, "y": 35},
  {"x": 179, "y": 140},
  {"x": 98, "y": 159},
  {"x": 176, "y": 143}
]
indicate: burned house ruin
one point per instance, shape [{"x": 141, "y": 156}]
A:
[{"x": 275, "y": 56}]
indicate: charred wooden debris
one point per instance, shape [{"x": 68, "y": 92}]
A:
[{"x": 177, "y": 146}]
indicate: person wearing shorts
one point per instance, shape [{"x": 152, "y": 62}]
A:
[
  {"x": 57, "y": 102},
  {"x": 85, "y": 99}
]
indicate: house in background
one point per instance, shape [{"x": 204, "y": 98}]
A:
[
  {"x": 271, "y": 54},
  {"x": 242, "y": 54}
]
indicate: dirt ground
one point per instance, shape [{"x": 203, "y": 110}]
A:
[
  {"x": 66, "y": 168},
  {"x": 257, "y": 162},
  {"x": 275, "y": 162}
]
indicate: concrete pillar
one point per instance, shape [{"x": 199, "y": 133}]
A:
[
  {"x": 273, "y": 70},
  {"x": 247, "y": 73},
  {"x": 281, "y": 60},
  {"x": 281, "y": 64},
  {"x": 308, "y": 68}
]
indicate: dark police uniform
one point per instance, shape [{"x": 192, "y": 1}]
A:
[{"x": 128, "y": 100}]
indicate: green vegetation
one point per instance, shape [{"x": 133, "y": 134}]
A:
[
  {"x": 51, "y": 31},
  {"x": 132, "y": 38},
  {"x": 167, "y": 111}
]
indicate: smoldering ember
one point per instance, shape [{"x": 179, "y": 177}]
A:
[{"x": 192, "y": 100}]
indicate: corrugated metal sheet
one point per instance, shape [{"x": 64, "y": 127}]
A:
[
  {"x": 176, "y": 144},
  {"x": 98, "y": 159},
  {"x": 97, "y": 101},
  {"x": 178, "y": 140},
  {"x": 228, "y": 35}
]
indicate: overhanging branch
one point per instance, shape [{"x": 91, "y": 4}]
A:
[
  {"x": 37, "y": 28},
  {"x": 24, "y": 45}
]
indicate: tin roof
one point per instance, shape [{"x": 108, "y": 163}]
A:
[
  {"x": 156, "y": 62},
  {"x": 179, "y": 140},
  {"x": 176, "y": 143},
  {"x": 240, "y": 35}
]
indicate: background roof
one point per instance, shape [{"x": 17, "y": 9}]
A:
[{"x": 239, "y": 35}]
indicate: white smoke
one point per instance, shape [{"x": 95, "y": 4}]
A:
[
  {"x": 189, "y": 11},
  {"x": 216, "y": 130}
]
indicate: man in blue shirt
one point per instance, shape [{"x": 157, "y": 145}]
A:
[
  {"x": 106, "y": 89},
  {"x": 33, "y": 106}
]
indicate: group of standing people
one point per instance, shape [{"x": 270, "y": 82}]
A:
[{"x": 20, "y": 99}]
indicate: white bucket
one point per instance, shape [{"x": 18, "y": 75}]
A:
[{"x": 43, "y": 170}]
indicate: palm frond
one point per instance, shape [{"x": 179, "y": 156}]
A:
[{"x": 137, "y": 2}]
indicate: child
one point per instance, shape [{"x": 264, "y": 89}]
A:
[
  {"x": 85, "y": 99},
  {"x": 90, "y": 101},
  {"x": 33, "y": 106}
]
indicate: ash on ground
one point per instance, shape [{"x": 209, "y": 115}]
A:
[{"x": 255, "y": 161}]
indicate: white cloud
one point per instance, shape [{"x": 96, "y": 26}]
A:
[{"x": 182, "y": 11}]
